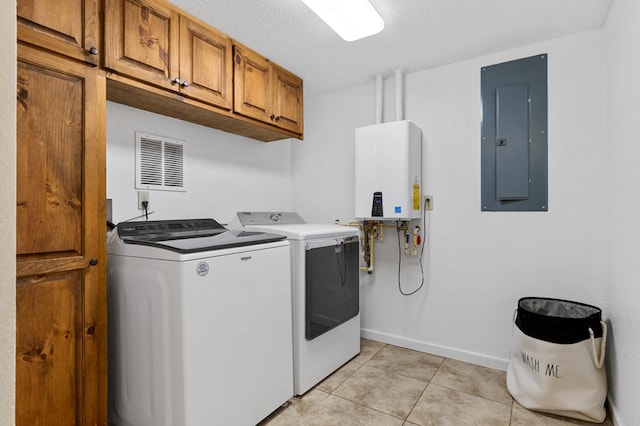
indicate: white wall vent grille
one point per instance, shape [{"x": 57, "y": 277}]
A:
[{"x": 159, "y": 163}]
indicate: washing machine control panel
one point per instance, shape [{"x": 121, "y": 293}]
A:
[{"x": 169, "y": 229}]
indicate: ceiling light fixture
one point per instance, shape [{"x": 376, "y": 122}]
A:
[{"x": 351, "y": 19}]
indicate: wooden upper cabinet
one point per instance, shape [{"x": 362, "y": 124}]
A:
[
  {"x": 206, "y": 72},
  {"x": 286, "y": 104},
  {"x": 60, "y": 242},
  {"x": 141, "y": 40},
  {"x": 180, "y": 67},
  {"x": 265, "y": 91},
  {"x": 152, "y": 42},
  {"x": 251, "y": 84},
  {"x": 68, "y": 27}
]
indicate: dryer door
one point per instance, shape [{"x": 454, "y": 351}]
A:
[{"x": 332, "y": 284}]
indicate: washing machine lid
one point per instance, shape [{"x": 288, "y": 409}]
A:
[
  {"x": 189, "y": 235},
  {"x": 289, "y": 224}
]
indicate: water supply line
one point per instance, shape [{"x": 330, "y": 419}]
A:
[
  {"x": 372, "y": 231},
  {"x": 368, "y": 251}
]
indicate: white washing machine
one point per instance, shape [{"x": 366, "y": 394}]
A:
[
  {"x": 326, "y": 292},
  {"x": 199, "y": 324}
]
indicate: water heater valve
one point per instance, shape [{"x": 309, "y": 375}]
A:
[{"x": 417, "y": 239}]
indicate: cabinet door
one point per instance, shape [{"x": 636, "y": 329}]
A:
[
  {"x": 286, "y": 95},
  {"x": 251, "y": 84},
  {"x": 205, "y": 64},
  {"x": 69, "y": 27},
  {"x": 141, "y": 40},
  {"x": 60, "y": 231}
]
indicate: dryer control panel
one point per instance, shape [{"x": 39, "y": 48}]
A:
[{"x": 269, "y": 218}]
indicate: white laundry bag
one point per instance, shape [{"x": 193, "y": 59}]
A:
[{"x": 557, "y": 355}]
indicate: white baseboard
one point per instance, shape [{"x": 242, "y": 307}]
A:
[{"x": 444, "y": 351}]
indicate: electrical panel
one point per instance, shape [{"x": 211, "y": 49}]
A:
[
  {"x": 514, "y": 135},
  {"x": 388, "y": 171}
]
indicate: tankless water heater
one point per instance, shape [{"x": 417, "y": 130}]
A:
[{"x": 388, "y": 171}]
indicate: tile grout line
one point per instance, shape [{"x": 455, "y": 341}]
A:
[
  {"x": 368, "y": 407},
  {"x": 424, "y": 390},
  {"x": 465, "y": 392},
  {"x": 511, "y": 413},
  {"x": 442, "y": 362},
  {"x": 404, "y": 420}
]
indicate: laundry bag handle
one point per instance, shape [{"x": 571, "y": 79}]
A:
[{"x": 598, "y": 361}]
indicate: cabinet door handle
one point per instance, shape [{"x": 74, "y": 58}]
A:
[
  {"x": 93, "y": 50},
  {"x": 273, "y": 116},
  {"x": 93, "y": 262},
  {"x": 91, "y": 330},
  {"x": 185, "y": 84},
  {"x": 277, "y": 118},
  {"x": 177, "y": 80}
]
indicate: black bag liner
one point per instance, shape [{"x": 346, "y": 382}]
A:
[{"x": 557, "y": 320}]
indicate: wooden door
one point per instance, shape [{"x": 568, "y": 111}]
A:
[
  {"x": 251, "y": 84},
  {"x": 60, "y": 231},
  {"x": 141, "y": 41},
  {"x": 286, "y": 95},
  {"x": 205, "y": 64},
  {"x": 69, "y": 27}
]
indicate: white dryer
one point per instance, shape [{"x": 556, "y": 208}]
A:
[
  {"x": 199, "y": 324},
  {"x": 325, "y": 288}
]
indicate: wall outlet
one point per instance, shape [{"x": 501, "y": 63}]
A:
[
  {"x": 428, "y": 202},
  {"x": 143, "y": 196}
]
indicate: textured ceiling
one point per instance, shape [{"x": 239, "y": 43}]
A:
[{"x": 418, "y": 34}]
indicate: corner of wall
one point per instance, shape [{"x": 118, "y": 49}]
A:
[{"x": 7, "y": 212}]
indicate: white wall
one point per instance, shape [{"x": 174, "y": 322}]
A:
[
  {"x": 7, "y": 213},
  {"x": 224, "y": 173},
  {"x": 622, "y": 138},
  {"x": 477, "y": 264},
  {"x": 323, "y": 164}
]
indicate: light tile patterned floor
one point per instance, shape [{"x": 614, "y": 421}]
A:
[{"x": 388, "y": 385}]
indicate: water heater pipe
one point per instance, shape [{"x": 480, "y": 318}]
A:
[
  {"x": 399, "y": 95},
  {"x": 369, "y": 235},
  {"x": 379, "y": 90}
]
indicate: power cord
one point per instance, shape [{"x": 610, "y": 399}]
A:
[
  {"x": 145, "y": 207},
  {"x": 138, "y": 217}
]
